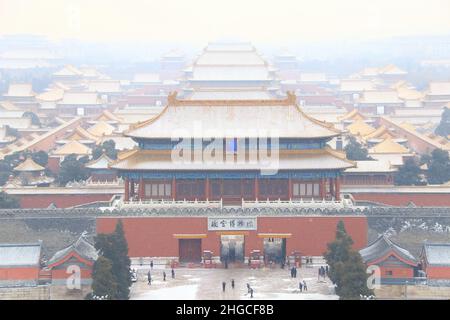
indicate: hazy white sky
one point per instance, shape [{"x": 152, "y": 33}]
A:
[{"x": 198, "y": 21}]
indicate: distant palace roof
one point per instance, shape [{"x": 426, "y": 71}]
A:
[
  {"x": 80, "y": 98},
  {"x": 55, "y": 94},
  {"x": 20, "y": 90},
  {"x": 101, "y": 162},
  {"x": 68, "y": 70},
  {"x": 74, "y": 147},
  {"x": 388, "y": 146},
  {"x": 229, "y": 62},
  {"x": 234, "y": 119},
  {"x": 29, "y": 165},
  {"x": 101, "y": 128},
  {"x": 359, "y": 127}
]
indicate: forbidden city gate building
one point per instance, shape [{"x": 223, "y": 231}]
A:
[
  {"x": 305, "y": 168},
  {"x": 263, "y": 151}
]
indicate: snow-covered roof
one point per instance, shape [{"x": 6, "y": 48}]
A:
[
  {"x": 439, "y": 88},
  {"x": 232, "y": 95},
  {"x": 437, "y": 254},
  {"x": 80, "y": 98},
  {"x": 29, "y": 165},
  {"x": 146, "y": 78},
  {"x": 15, "y": 255},
  {"x": 390, "y": 96},
  {"x": 350, "y": 85},
  {"x": 371, "y": 166},
  {"x": 68, "y": 70},
  {"x": 104, "y": 86},
  {"x": 231, "y": 73},
  {"x": 229, "y": 118},
  {"x": 54, "y": 94},
  {"x": 20, "y": 90},
  {"x": 101, "y": 162},
  {"x": 382, "y": 247},
  {"x": 72, "y": 147},
  {"x": 82, "y": 247}
]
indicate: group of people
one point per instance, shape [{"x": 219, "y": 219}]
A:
[
  {"x": 249, "y": 288},
  {"x": 294, "y": 272},
  {"x": 149, "y": 274},
  {"x": 322, "y": 272},
  {"x": 302, "y": 286}
]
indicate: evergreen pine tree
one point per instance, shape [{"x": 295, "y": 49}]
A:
[
  {"x": 122, "y": 263},
  {"x": 115, "y": 247},
  {"x": 438, "y": 167},
  {"x": 408, "y": 174},
  {"x": 103, "y": 281},
  {"x": 347, "y": 270},
  {"x": 338, "y": 251},
  {"x": 353, "y": 278},
  {"x": 443, "y": 129},
  {"x": 355, "y": 151}
]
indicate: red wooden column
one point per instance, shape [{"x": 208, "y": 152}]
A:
[
  {"x": 132, "y": 191},
  {"x": 174, "y": 189},
  {"x": 337, "y": 188},
  {"x": 290, "y": 188},
  {"x": 323, "y": 185},
  {"x": 207, "y": 188},
  {"x": 332, "y": 185},
  {"x": 256, "y": 188},
  {"x": 127, "y": 190},
  {"x": 141, "y": 189}
]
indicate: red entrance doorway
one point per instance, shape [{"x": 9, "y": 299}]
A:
[{"x": 190, "y": 250}]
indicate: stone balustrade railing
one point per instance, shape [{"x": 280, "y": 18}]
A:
[
  {"x": 297, "y": 203},
  {"x": 169, "y": 204}
]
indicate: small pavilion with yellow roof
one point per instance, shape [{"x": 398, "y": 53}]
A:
[{"x": 32, "y": 174}]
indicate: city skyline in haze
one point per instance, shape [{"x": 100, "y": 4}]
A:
[{"x": 200, "y": 21}]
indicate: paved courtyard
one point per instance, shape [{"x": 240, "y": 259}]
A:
[{"x": 203, "y": 284}]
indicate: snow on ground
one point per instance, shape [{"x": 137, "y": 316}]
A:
[
  {"x": 204, "y": 284},
  {"x": 188, "y": 292}
]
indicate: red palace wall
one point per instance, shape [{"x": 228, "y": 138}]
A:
[
  {"x": 438, "y": 272},
  {"x": 402, "y": 199},
  {"x": 154, "y": 236},
  {"x": 60, "y": 200},
  {"x": 19, "y": 273},
  {"x": 397, "y": 272}
]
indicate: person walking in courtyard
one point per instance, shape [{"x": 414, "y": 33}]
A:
[
  {"x": 305, "y": 287},
  {"x": 248, "y": 288},
  {"x": 149, "y": 278},
  {"x": 251, "y": 292},
  {"x": 292, "y": 272},
  {"x": 300, "y": 286},
  {"x": 326, "y": 270},
  {"x": 151, "y": 264},
  {"x": 295, "y": 272},
  {"x": 232, "y": 283},
  {"x": 224, "y": 284},
  {"x": 164, "y": 276},
  {"x": 173, "y": 273}
]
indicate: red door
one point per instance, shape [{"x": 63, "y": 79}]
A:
[{"x": 190, "y": 250}]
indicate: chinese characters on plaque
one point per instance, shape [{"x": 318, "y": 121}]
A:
[{"x": 231, "y": 223}]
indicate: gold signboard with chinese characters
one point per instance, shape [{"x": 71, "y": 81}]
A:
[{"x": 232, "y": 224}]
